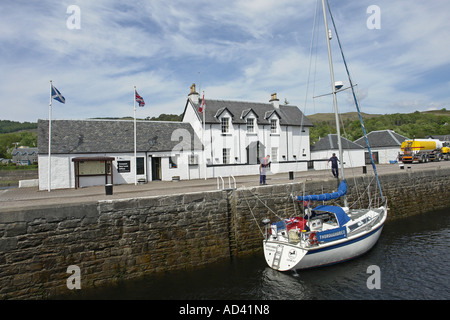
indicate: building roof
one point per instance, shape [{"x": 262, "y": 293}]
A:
[
  {"x": 330, "y": 142},
  {"x": 24, "y": 151},
  {"x": 116, "y": 136},
  {"x": 382, "y": 139},
  {"x": 289, "y": 115},
  {"x": 445, "y": 137}
]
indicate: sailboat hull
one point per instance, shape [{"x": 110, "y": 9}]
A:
[{"x": 342, "y": 252}]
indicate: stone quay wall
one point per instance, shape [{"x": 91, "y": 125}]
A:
[{"x": 116, "y": 240}]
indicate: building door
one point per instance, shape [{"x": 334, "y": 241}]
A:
[
  {"x": 375, "y": 157},
  {"x": 156, "y": 168},
  {"x": 255, "y": 152}
]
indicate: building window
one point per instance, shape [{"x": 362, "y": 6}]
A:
[
  {"x": 140, "y": 165},
  {"x": 274, "y": 126},
  {"x": 225, "y": 125},
  {"x": 250, "y": 125},
  {"x": 226, "y": 155},
  {"x": 173, "y": 160},
  {"x": 274, "y": 154}
]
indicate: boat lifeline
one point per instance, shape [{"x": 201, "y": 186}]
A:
[{"x": 326, "y": 234}]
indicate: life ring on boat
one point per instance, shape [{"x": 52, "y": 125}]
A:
[{"x": 313, "y": 238}]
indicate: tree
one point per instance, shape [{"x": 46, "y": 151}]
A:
[{"x": 416, "y": 124}]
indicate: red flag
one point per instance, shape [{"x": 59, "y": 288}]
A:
[{"x": 202, "y": 106}]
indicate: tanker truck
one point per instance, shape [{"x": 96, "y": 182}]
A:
[{"x": 420, "y": 150}]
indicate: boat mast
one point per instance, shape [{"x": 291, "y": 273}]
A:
[
  {"x": 333, "y": 88},
  {"x": 356, "y": 104}
]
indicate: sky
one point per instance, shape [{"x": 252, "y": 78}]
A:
[{"x": 95, "y": 52}]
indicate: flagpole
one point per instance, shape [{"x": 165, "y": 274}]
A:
[
  {"x": 203, "y": 133},
  {"x": 49, "y": 169},
  {"x": 135, "y": 159}
]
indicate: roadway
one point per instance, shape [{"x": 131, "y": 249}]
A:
[{"x": 12, "y": 199}]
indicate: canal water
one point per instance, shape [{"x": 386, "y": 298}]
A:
[{"x": 410, "y": 261}]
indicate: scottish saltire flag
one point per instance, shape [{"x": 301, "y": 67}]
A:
[
  {"x": 139, "y": 99},
  {"x": 57, "y": 95}
]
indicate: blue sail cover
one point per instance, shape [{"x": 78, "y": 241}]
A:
[
  {"x": 340, "y": 214},
  {"x": 342, "y": 190}
]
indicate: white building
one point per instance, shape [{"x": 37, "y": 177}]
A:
[
  {"x": 238, "y": 134},
  {"x": 98, "y": 152},
  {"x": 385, "y": 145},
  {"x": 323, "y": 149}
]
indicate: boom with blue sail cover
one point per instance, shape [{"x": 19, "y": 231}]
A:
[{"x": 342, "y": 190}]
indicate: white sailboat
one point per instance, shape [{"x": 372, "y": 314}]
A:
[{"x": 325, "y": 234}]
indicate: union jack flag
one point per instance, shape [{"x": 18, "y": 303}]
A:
[
  {"x": 139, "y": 99},
  {"x": 291, "y": 220}
]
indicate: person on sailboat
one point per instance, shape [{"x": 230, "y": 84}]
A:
[
  {"x": 262, "y": 169},
  {"x": 334, "y": 165}
]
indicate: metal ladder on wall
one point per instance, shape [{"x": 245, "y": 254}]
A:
[
  {"x": 277, "y": 257},
  {"x": 229, "y": 182}
]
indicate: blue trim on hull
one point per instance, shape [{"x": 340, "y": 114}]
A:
[
  {"x": 344, "y": 243},
  {"x": 341, "y": 245}
]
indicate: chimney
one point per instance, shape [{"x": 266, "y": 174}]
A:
[
  {"x": 275, "y": 102},
  {"x": 193, "y": 95}
]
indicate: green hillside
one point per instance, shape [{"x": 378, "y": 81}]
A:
[
  {"x": 14, "y": 133},
  {"x": 416, "y": 124}
]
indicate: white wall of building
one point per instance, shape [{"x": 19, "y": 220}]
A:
[
  {"x": 253, "y": 169},
  {"x": 63, "y": 169},
  {"x": 386, "y": 154},
  {"x": 290, "y": 145},
  {"x": 352, "y": 158}
]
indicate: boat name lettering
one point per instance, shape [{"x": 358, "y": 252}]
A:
[
  {"x": 335, "y": 234},
  {"x": 331, "y": 235}
]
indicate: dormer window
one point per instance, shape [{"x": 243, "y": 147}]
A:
[
  {"x": 274, "y": 126},
  {"x": 225, "y": 124},
  {"x": 250, "y": 125}
]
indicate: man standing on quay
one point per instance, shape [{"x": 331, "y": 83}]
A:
[
  {"x": 334, "y": 165},
  {"x": 262, "y": 169}
]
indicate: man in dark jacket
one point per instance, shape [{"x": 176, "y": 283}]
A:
[{"x": 334, "y": 165}]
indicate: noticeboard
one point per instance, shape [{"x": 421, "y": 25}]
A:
[{"x": 92, "y": 168}]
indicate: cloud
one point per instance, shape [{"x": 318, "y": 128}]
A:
[{"x": 237, "y": 50}]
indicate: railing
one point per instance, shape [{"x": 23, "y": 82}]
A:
[{"x": 223, "y": 183}]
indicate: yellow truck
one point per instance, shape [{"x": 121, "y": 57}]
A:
[{"x": 422, "y": 150}]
